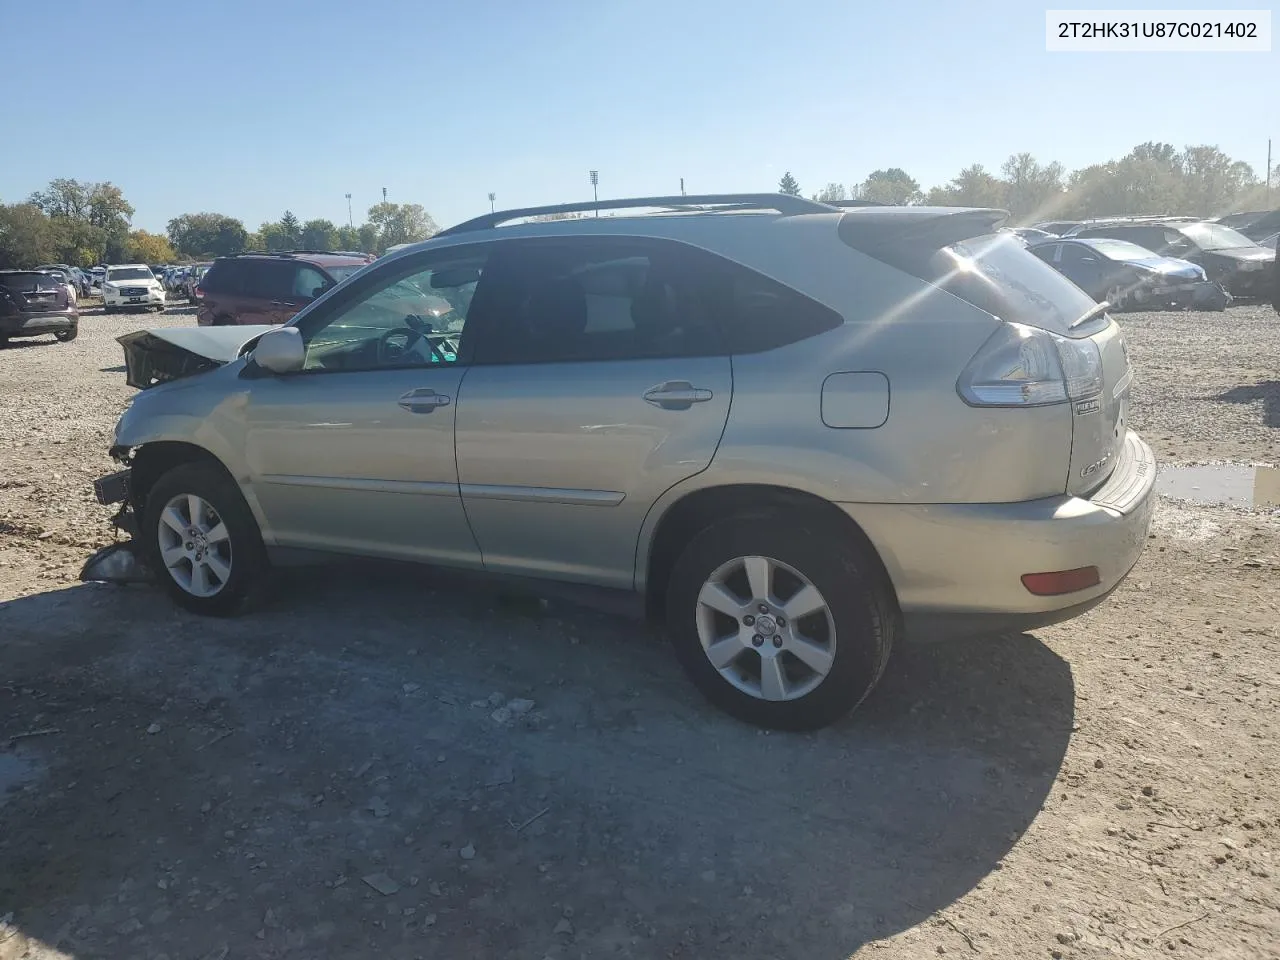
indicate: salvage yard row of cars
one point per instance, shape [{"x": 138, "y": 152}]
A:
[{"x": 1160, "y": 261}]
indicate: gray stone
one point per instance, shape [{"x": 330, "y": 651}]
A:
[{"x": 382, "y": 883}]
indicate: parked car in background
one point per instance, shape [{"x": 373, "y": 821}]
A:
[
  {"x": 691, "y": 407},
  {"x": 1126, "y": 275},
  {"x": 1029, "y": 235},
  {"x": 192, "y": 280},
  {"x": 132, "y": 286},
  {"x": 1256, "y": 225},
  {"x": 65, "y": 276},
  {"x": 35, "y": 302},
  {"x": 1242, "y": 267},
  {"x": 256, "y": 288},
  {"x": 1057, "y": 227},
  {"x": 96, "y": 276},
  {"x": 73, "y": 275}
]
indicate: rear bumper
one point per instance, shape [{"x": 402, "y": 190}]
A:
[
  {"x": 957, "y": 568},
  {"x": 34, "y": 324}
]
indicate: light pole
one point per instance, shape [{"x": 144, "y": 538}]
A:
[
  {"x": 384, "y": 194},
  {"x": 492, "y": 197},
  {"x": 595, "y": 191},
  {"x": 350, "y": 222}
]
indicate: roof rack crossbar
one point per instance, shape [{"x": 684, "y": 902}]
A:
[{"x": 781, "y": 202}]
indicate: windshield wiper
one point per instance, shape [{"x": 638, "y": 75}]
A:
[{"x": 1089, "y": 314}]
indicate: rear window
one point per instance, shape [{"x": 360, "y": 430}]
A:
[
  {"x": 1004, "y": 279},
  {"x": 29, "y": 280}
]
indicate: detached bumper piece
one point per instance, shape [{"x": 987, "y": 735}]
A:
[{"x": 113, "y": 488}]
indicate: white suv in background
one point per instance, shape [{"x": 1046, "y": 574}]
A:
[{"x": 131, "y": 286}]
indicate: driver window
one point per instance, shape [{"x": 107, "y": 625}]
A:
[{"x": 409, "y": 317}]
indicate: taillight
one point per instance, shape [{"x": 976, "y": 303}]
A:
[
  {"x": 199, "y": 292},
  {"x": 1021, "y": 366}
]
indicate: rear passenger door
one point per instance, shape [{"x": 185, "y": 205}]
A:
[{"x": 599, "y": 382}]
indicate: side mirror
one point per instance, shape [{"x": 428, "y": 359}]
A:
[{"x": 280, "y": 350}]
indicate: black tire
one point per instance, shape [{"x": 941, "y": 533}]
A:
[
  {"x": 857, "y": 594},
  {"x": 249, "y": 566},
  {"x": 66, "y": 336}
]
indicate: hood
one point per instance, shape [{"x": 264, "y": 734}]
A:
[
  {"x": 133, "y": 283},
  {"x": 1169, "y": 266},
  {"x": 158, "y": 356},
  {"x": 1243, "y": 253}
]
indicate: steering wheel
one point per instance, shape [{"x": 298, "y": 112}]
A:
[{"x": 394, "y": 346}]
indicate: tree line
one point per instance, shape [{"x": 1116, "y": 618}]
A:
[
  {"x": 89, "y": 223},
  {"x": 84, "y": 224},
  {"x": 1152, "y": 178}
]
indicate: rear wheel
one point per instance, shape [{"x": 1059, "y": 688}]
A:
[
  {"x": 778, "y": 624},
  {"x": 66, "y": 336},
  {"x": 202, "y": 540}
]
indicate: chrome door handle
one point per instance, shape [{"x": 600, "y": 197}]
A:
[
  {"x": 423, "y": 400},
  {"x": 283, "y": 303},
  {"x": 676, "y": 395}
]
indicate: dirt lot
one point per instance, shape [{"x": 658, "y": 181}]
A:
[{"x": 334, "y": 776}]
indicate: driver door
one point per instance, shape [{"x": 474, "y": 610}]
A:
[{"x": 354, "y": 454}]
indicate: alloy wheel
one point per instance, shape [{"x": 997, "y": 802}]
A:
[
  {"x": 766, "y": 628},
  {"x": 195, "y": 546}
]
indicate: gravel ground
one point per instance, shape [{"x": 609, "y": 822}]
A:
[{"x": 385, "y": 762}]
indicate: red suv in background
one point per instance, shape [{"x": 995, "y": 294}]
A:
[{"x": 255, "y": 288}]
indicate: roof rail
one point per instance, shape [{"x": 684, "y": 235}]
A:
[{"x": 781, "y": 202}]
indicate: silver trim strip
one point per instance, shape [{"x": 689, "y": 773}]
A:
[
  {"x": 427, "y": 488},
  {"x": 581, "y": 498}
]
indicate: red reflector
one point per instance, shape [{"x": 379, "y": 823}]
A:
[
  {"x": 199, "y": 293},
  {"x": 1061, "y": 581}
]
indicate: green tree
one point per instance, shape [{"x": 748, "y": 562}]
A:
[
  {"x": 1034, "y": 191},
  {"x": 27, "y": 236},
  {"x": 348, "y": 239},
  {"x": 63, "y": 198},
  {"x": 318, "y": 235},
  {"x": 108, "y": 208},
  {"x": 891, "y": 186},
  {"x": 1212, "y": 180},
  {"x": 207, "y": 234},
  {"x": 972, "y": 187},
  {"x": 290, "y": 229},
  {"x": 831, "y": 192},
  {"x": 400, "y": 223},
  {"x": 789, "y": 185},
  {"x": 368, "y": 238},
  {"x": 147, "y": 247},
  {"x": 275, "y": 237}
]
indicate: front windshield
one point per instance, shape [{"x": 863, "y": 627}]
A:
[
  {"x": 130, "y": 273},
  {"x": 1214, "y": 236},
  {"x": 1121, "y": 250}
]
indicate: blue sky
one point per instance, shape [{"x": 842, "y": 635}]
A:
[{"x": 249, "y": 108}]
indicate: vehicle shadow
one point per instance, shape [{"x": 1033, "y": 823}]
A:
[
  {"x": 1268, "y": 391},
  {"x": 222, "y": 783}
]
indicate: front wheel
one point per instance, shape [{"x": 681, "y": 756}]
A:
[
  {"x": 66, "y": 336},
  {"x": 202, "y": 540},
  {"x": 777, "y": 624}
]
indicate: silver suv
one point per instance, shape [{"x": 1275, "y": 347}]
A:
[{"x": 798, "y": 432}]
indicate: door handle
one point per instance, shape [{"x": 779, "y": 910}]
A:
[
  {"x": 423, "y": 400},
  {"x": 283, "y": 303},
  {"x": 676, "y": 395}
]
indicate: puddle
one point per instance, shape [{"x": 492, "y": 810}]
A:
[{"x": 1232, "y": 485}]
